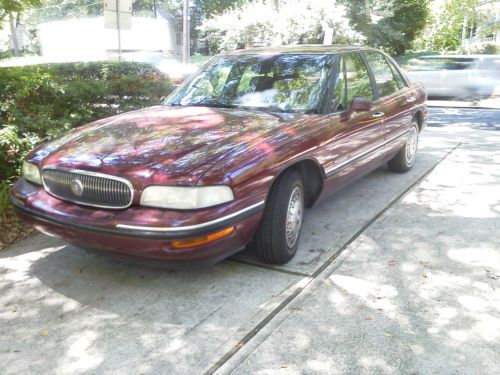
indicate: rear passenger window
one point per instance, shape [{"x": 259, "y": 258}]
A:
[
  {"x": 387, "y": 84},
  {"x": 401, "y": 82}
]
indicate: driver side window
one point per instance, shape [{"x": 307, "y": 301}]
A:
[
  {"x": 353, "y": 81},
  {"x": 358, "y": 79}
]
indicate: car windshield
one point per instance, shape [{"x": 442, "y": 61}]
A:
[{"x": 287, "y": 83}]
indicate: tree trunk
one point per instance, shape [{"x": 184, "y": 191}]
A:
[{"x": 13, "y": 35}]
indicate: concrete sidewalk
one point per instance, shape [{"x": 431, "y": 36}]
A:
[{"x": 417, "y": 293}]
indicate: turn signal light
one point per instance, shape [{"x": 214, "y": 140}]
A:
[{"x": 198, "y": 241}]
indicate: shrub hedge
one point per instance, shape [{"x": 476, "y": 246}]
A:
[{"x": 39, "y": 102}]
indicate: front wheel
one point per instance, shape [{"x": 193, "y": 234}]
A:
[
  {"x": 277, "y": 239},
  {"x": 405, "y": 158}
]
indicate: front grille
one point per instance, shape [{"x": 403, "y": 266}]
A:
[{"x": 88, "y": 188}]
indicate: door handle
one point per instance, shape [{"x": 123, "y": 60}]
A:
[
  {"x": 378, "y": 114},
  {"x": 411, "y": 99}
]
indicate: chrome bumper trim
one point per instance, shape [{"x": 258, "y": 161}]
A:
[{"x": 255, "y": 206}]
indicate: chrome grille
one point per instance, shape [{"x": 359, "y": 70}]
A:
[{"x": 88, "y": 188}]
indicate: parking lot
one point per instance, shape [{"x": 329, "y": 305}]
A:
[{"x": 398, "y": 273}]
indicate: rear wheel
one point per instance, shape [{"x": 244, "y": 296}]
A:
[
  {"x": 405, "y": 158},
  {"x": 277, "y": 239}
]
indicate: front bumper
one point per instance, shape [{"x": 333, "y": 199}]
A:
[{"x": 138, "y": 232}]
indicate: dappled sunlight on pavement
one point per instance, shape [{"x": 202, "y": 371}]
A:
[
  {"x": 66, "y": 311},
  {"x": 417, "y": 292}
]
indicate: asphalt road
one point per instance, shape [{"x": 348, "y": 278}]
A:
[{"x": 396, "y": 274}]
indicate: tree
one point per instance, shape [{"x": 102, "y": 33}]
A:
[
  {"x": 451, "y": 19},
  {"x": 217, "y": 7},
  {"x": 278, "y": 22},
  {"x": 12, "y": 10},
  {"x": 389, "y": 24}
]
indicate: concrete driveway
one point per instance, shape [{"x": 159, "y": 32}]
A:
[{"x": 395, "y": 274}]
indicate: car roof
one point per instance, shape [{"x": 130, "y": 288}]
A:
[{"x": 303, "y": 48}]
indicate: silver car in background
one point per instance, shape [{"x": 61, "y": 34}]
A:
[{"x": 457, "y": 76}]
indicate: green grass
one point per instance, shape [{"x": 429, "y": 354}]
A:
[
  {"x": 4, "y": 196},
  {"x": 405, "y": 60},
  {"x": 199, "y": 60}
]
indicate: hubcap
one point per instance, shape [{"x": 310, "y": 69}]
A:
[
  {"x": 294, "y": 217},
  {"x": 411, "y": 145}
]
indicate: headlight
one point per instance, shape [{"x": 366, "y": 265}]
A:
[
  {"x": 31, "y": 173},
  {"x": 186, "y": 197}
]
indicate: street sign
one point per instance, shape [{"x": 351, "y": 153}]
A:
[
  {"x": 125, "y": 5},
  {"x": 118, "y": 15},
  {"x": 118, "y": 20},
  {"x": 111, "y": 20}
]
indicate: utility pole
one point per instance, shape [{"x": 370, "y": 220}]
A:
[
  {"x": 185, "y": 33},
  {"x": 119, "y": 30}
]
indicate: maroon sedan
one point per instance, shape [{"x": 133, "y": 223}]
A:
[{"x": 234, "y": 155}]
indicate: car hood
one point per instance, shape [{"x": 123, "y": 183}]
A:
[{"x": 160, "y": 145}]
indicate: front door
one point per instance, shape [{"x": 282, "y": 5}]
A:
[{"x": 356, "y": 137}]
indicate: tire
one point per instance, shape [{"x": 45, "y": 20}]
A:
[
  {"x": 404, "y": 159},
  {"x": 284, "y": 208}
]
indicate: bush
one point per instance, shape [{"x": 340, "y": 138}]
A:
[
  {"x": 38, "y": 103},
  {"x": 485, "y": 49}
]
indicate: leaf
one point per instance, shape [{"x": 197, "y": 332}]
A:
[{"x": 44, "y": 333}]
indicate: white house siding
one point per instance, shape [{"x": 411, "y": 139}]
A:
[{"x": 87, "y": 39}]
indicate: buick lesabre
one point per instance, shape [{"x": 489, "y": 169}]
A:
[{"x": 233, "y": 156}]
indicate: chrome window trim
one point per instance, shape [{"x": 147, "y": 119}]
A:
[
  {"x": 88, "y": 173},
  {"x": 331, "y": 171},
  {"x": 190, "y": 227}
]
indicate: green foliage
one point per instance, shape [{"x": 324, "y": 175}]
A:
[
  {"x": 38, "y": 103},
  {"x": 10, "y": 7},
  {"x": 216, "y": 7},
  {"x": 278, "y": 22},
  {"x": 444, "y": 30},
  {"x": 390, "y": 24}
]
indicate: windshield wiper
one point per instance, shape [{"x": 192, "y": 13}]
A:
[
  {"x": 215, "y": 105},
  {"x": 268, "y": 108}
]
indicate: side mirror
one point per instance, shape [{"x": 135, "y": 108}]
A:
[{"x": 357, "y": 105}]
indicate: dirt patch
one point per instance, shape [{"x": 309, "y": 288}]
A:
[{"x": 12, "y": 229}]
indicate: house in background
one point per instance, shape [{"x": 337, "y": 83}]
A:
[
  {"x": 87, "y": 39},
  {"x": 488, "y": 30}
]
